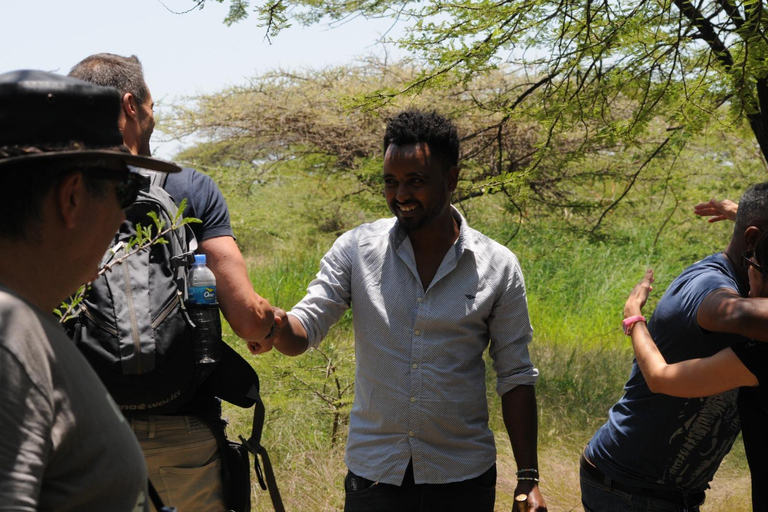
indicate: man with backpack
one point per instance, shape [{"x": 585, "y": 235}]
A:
[
  {"x": 181, "y": 435},
  {"x": 66, "y": 181}
]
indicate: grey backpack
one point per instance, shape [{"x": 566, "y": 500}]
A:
[{"x": 133, "y": 327}]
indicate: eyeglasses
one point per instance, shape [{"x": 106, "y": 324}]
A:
[
  {"x": 127, "y": 189},
  {"x": 746, "y": 259},
  {"x": 127, "y": 186}
]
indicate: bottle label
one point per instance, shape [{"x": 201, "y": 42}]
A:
[{"x": 202, "y": 294}]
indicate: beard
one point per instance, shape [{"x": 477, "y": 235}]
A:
[
  {"x": 429, "y": 214},
  {"x": 144, "y": 148}
]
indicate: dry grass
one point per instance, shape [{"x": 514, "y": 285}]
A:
[
  {"x": 312, "y": 480},
  {"x": 573, "y": 398},
  {"x": 560, "y": 483}
]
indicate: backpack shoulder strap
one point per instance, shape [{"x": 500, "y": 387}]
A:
[
  {"x": 253, "y": 444},
  {"x": 157, "y": 178},
  {"x": 182, "y": 241}
]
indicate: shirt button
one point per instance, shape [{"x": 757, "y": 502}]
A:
[
  {"x": 419, "y": 300},
  {"x": 413, "y": 399},
  {"x": 410, "y": 433},
  {"x": 415, "y": 366},
  {"x": 417, "y": 332}
]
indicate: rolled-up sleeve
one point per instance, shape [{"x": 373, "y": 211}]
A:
[
  {"x": 510, "y": 330},
  {"x": 329, "y": 294}
]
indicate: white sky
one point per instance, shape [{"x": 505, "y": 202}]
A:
[{"x": 182, "y": 54}]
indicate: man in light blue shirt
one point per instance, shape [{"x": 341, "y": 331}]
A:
[{"x": 430, "y": 294}]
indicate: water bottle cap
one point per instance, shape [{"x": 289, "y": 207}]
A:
[{"x": 199, "y": 259}]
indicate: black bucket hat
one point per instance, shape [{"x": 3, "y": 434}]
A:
[{"x": 61, "y": 121}]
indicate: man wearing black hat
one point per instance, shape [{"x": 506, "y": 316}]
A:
[{"x": 65, "y": 180}]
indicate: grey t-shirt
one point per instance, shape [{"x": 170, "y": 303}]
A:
[{"x": 64, "y": 445}]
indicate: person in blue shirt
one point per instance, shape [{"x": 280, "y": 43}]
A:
[
  {"x": 429, "y": 296},
  {"x": 743, "y": 365},
  {"x": 661, "y": 450}
]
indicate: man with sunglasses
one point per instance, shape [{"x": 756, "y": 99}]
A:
[
  {"x": 66, "y": 178},
  {"x": 185, "y": 440},
  {"x": 662, "y": 451}
]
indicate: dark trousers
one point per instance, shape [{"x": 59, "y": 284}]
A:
[
  {"x": 474, "y": 495},
  {"x": 754, "y": 418},
  {"x": 601, "y": 494}
]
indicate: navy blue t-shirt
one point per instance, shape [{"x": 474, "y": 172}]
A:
[
  {"x": 204, "y": 202},
  {"x": 657, "y": 441}
]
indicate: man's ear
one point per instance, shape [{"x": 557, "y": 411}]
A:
[
  {"x": 751, "y": 235},
  {"x": 70, "y": 195},
  {"x": 130, "y": 107},
  {"x": 453, "y": 178}
]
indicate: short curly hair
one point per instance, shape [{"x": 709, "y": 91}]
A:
[
  {"x": 414, "y": 126},
  {"x": 753, "y": 209}
]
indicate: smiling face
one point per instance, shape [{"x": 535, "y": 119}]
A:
[{"x": 417, "y": 186}]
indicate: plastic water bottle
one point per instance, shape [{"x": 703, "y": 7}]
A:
[
  {"x": 202, "y": 282},
  {"x": 204, "y": 312}
]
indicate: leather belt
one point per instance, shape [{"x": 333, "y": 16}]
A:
[{"x": 687, "y": 501}]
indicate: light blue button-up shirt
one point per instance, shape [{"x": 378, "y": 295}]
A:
[{"x": 420, "y": 375}]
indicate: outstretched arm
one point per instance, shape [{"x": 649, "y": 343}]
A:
[
  {"x": 520, "y": 417},
  {"x": 249, "y": 315},
  {"x": 691, "y": 378},
  {"x": 717, "y": 210}
]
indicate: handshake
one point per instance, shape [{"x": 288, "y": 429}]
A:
[{"x": 265, "y": 344}]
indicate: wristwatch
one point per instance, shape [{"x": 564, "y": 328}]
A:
[{"x": 628, "y": 323}]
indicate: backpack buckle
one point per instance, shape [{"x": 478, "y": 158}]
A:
[{"x": 183, "y": 260}]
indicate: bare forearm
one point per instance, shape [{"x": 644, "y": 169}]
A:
[
  {"x": 521, "y": 419},
  {"x": 692, "y": 378},
  {"x": 291, "y": 337},
  {"x": 649, "y": 358},
  {"x": 725, "y": 311},
  {"x": 249, "y": 315}
]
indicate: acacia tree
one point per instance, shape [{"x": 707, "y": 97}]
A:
[
  {"x": 679, "y": 59},
  {"x": 286, "y": 116},
  {"x": 599, "y": 77}
]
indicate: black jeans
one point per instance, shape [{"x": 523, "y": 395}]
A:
[
  {"x": 474, "y": 495},
  {"x": 601, "y": 494}
]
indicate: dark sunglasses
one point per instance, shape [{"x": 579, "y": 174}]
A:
[
  {"x": 127, "y": 186},
  {"x": 746, "y": 260}
]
